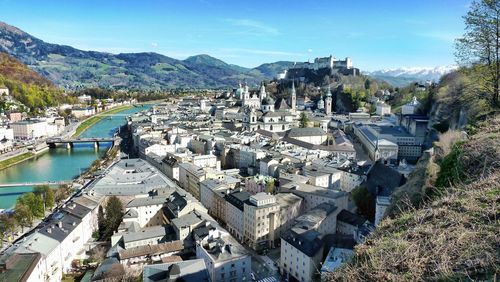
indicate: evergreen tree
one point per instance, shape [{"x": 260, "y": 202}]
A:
[
  {"x": 101, "y": 221},
  {"x": 113, "y": 215}
]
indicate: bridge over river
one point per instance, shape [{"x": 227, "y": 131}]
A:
[{"x": 69, "y": 142}]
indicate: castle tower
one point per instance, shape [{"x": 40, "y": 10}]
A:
[
  {"x": 293, "y": 101},
  {"x": 328, "y": 101}
]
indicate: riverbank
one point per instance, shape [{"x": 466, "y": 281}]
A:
[
  {"x": 60, "y": 164},
  {"x": 15, "y": 160},
  {"x": 86, "y": 124}
]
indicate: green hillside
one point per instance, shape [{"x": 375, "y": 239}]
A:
[{"x": 26, "y": 86}]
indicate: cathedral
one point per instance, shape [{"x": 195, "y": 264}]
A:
[
  {"x": 263, "y": 112},
  {"x": 251, "y": 100}
]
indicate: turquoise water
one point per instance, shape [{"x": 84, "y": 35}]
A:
[{"x": 59, "y": 163}]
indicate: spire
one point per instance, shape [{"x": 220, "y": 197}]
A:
[
  {"x": 294, "y": 96},
  {"x": 262, "y": 93}
]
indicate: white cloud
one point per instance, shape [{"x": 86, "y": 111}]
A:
[
  {"x": 154, "y": 44},
  {"x": 309, "y": 50},
  {"x": 253, "y": 26}
]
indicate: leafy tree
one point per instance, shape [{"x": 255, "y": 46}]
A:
[
  {"x": 62, "y": 193},
  {"x": 23, "y": 215},
  {"x": 33, "y": 202},
  {"x": 270, "y": 187},
  {"x": 113, "y": 215},
  {"x": 303, "y": 120},
  {"x": 47, "y": 195},
  {"x": 480, "y": 45},
  {"x": 7, "y": 225}
]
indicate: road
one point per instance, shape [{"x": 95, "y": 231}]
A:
[
  {"x": 263, "y": 266},
  {"x": 13, "y": 153},
  {"x": 67, "y": 132}
]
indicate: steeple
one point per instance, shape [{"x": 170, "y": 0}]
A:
[
  {"x": 328, "y": 101},
  {"x": 294, "y": 97},
  {"x": 262, "y": 93}
]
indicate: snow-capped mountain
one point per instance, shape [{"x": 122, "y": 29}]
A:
[{"x": 404, "y": 75}]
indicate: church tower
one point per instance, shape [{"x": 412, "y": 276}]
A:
[
  {"x": 328, "y": 101},
  {"x": 293, "y": 101},
  {"x": 262, "y": 93}
]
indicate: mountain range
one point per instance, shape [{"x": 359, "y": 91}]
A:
[
  {"x": 72, "y": 68},
  {"x": 404, "y": 76}
]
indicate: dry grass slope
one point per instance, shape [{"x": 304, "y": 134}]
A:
[{"x": 453, "y": 237}]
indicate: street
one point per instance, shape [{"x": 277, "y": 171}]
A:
[{"x": 263, "y": 266}]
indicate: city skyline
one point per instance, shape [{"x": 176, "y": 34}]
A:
[{"x": 381, "y": 35}]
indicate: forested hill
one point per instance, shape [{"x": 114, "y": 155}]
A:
[
  {"x": 13, "y": 69},
  {"x": 27, "y": 87}
]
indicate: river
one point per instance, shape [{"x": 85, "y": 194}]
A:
[{"x": 59, "y": 163}]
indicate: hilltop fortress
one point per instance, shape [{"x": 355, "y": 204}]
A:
[
  {"x": 325, "y": 65},
  {"x": 326, "y": 62}
]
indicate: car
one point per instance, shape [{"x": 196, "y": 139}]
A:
[{"x": 253, "y": 276}]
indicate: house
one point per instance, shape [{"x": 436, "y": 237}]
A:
[
  {"x": 180, "y": 203},
  {"x": 314, "y": 196},
  {"x": 335, "y": 258},
  {"x": 189, "y": 270},
  {"x": 383, "y": 109},
  {"x": 354, "y": 225},
  {"x": 226, "y": 259},
  {"x": 301, "y": 253},
  {"x": 322, "y": 218},
  {"x": 146, "y": 211},
  {"x": 29, "y": 129},
  {"x": 234, "y": 213},
  {"x": 212, "y": 195},
  {"x": 14, "y": 116},
  {"x": 258, "y": 224},
  {"x": 26, "y": 267},
  {"x": 312, "y": 135},
  {"x": 83, "y": 112},
  {"x": 185, "y": 224},
  {"x": 190, "y": 177},
  {"x": 143, "y": 237}
]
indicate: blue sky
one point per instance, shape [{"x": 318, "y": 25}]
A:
[{"x": 375, "y": 34}]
